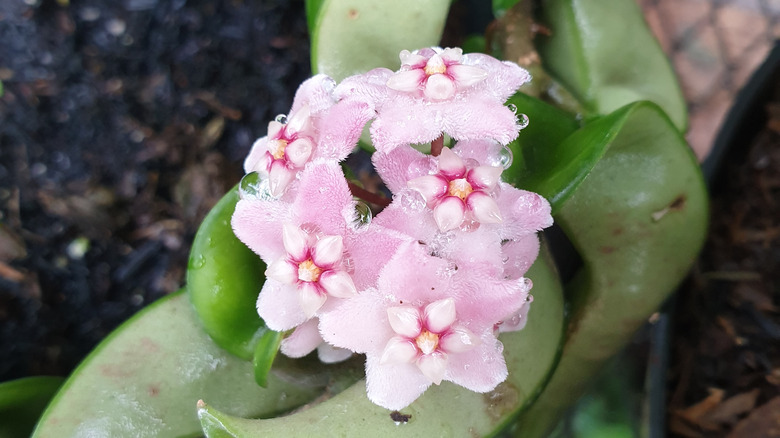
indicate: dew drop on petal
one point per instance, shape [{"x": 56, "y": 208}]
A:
[
  {"x": 281, "y": 118},
  {"x": 254, "y": 186},
  {"x": 469, "y": 225},
  {"x": 363, "y": 215},
  {"x": 522, "y": 120},
  {"x": 505, "y": 157},
  {"x": 512, "y": 107},
  {"x": 529, "y": 298}
]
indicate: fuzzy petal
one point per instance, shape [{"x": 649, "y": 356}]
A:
[
  {"x": 398, "y": 350},
  {"x": 431, "y": 187},
  {"x": 394, "y": 386},
  {"x": 340, "y": 128},
  {"x": 315, "y": 92},
  {"x": 328, "y": 251},
  {"x": 449, "y": 213},
  {"x": 480, "y": 369},
  {"x": 519, "y": 255},
  {"x": 327, "y": 353},
  {"x": 480, "y": 118},
  {"x": 256, "y": 223},
  {"x": 338, "y": 284},
  {"x": 303, "y": 340},
  {"x": 358, "y": 324},
  {"x": 300, "y": 120},
  {"x": 400, "y": 165},
  {"x": 282, "y": 271},
  {"x": 278, "y": 305},
  {"x": 484, "y": 208},
  {"x": 324, "y": 198},
  {"x": 310, "y": 298},
  {"x": 433, "y": 366},
  {"x": 254, "y": 161},
  {"x": 404, "y": 320},
  {"x": 525, "y": 212},
  {"x": 439, "y": 315},
  {"x": 406, "y": 81}
]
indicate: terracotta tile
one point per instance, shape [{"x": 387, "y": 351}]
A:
[{"x": 740, "y": 28}]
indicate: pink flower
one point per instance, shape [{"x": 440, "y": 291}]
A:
[
  {"x": 314, "y": 265},
  {"x": 425, "y": 323},
  {"x": 458, "y": 193},
  {"x": 317, "y": 127},
  {"x": 439, "y": 91}
]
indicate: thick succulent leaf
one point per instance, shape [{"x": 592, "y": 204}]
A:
[
  {"x": 145, "y": 379},
  {"x": 605, "y": 54},
  {"x": 224, "y": 278},
  {"x": 22, "y": 401},
  {"x": 445, "y": 410},
  {"x": 354, "y": 36},
  {"x": 638, "y": 220}
]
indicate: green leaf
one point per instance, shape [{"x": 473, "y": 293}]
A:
[
  {"x": 544, "y": 160},
  {"x": 22, "y": 401},
  {"x": 444, "y": 410},
  {"x": 224, "y": 278},
  {"x": 265, "y": 353},
  {"x": 147, "y": 376},
  {"x": 605, "y": 54},
  {"x": 638, "y": 220},
  {"x": 354, "y": 36},
  {"x": 501, "y": 6}
]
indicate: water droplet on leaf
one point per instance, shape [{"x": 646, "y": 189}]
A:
[
  {"x": 512, "y": 107},
  {"x": 254, "y": 186},
  {"x": 522, "y": 120}
]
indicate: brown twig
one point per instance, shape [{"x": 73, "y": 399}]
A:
[{"x": 367, "y": 196}]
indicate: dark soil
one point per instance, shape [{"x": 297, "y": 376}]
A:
[
  {"x": 122, "y": 124},
  {"x": 726, "y": 363}
]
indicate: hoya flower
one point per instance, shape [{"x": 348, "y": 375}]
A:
[
  {"x": 459, "y": 193},
  {"x": 317, "y": 127},
  {"x": 314, "y": 265},
  {"x": 306, "y": 338},
  {"x": 424, "y": 324},
  {"x": 439, "y": 91}
]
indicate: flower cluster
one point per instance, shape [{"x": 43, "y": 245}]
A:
[{"x": 424, "y": 287}]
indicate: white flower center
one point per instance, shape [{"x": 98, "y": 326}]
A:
[
  {"x": 427, "y": 342},
  {"x": 435, "y": 65},
  {"x": 460, "y": 188},
  {"x": 308, "y": 271}
]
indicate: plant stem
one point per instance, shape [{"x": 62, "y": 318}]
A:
[
  {"x": 437, "y": 145},
  {"x": 367, "y": 196}
]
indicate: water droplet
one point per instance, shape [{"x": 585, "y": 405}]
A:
[
  {"x": 529, "y": 298},
  {"x": 469, "y": 225},
  {"x": 522, "y": 120},
  {"x": 363, "y": 215},
  {"x": 197, "y": 262},
  {"x": 410, "y": 201},
  {"x": 505, "y": 157},
  {"x": 281, "y": 118},
  {"x": 254, "y": 186},
  {"x": 512, "y": 107}
]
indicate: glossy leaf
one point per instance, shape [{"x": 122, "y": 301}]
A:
[
  {"x": 501, "y": 6},
  {"x": 354, "y": 36},
  {"x": 445, "y": 410},
  {"x": 147, "y": 376},
  {"x": 265, "y": 353},
  {"x": 638, "y": 220},
  {"x": 224, "y": 278},
  {"x": 22, "y": 401},
  {"x": 605, "y": 54}
]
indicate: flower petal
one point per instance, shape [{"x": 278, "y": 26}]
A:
[
  {"x": 466, "y": 75},
  {"x": 484, "y": 177},
  {"x": 398, "y": 350},
  {"x": 328, "y": 251},
  {"x": 310, "y": 298},
  {"x": 480, "y": 369},
  {"x": 330, "y": 354},
  {"x": 439, "y": 315},
  {"x": 295, "y": 242},
  {"x": 282, "y": 271},
  {"x": 406, "y": 81},
  {"x": 449, "y": 213},
  {"x": 299, "y": 121},
  {"x": 278, "y": 305},
  {"x": 254, "y": 160},
  {"x": 404, "y": 320},
  {"x": 299, "y": 151},
  {"x": 394, "y": 386},
  {"x": 279, "y": 177},
  {"x": 433, "y": 366},
  {"x": 439, "y": 87},
  {"x": 451, "y": 165},
  {"x": 484, "y": 208},
  {"x": 431, "y": 187},
  {"x": 338, "y": 284},
  {"x": 303, "y": 340},
  {"x": 459, "y": 340}
]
